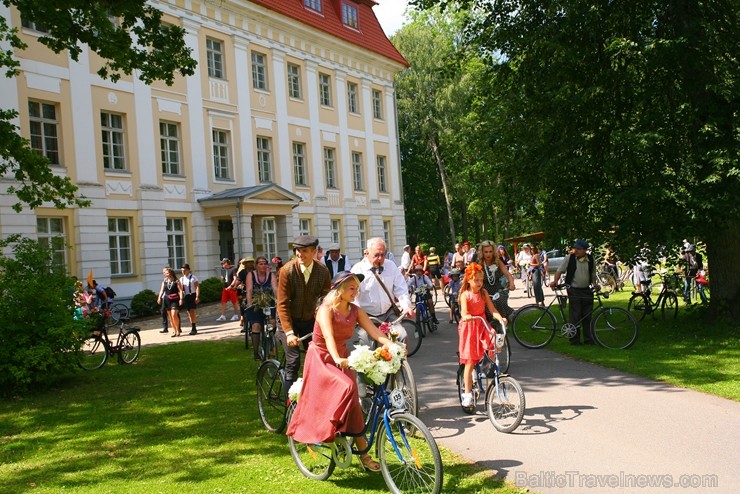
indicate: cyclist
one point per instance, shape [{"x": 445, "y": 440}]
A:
[
  {"x": 259, "y": 280},
  {"x": 419, "y": 258},
  {"x": 419, "y": 280},
  {"x": 454, "y": 285},
  {"x": 433, "y": 264},
  {"x": 523, "y": 260},
  {"x": 494, "y": 272}
]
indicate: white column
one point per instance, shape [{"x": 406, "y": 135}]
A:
[
  {"x": 317, "y": 152},
  {"x": 394, "y": 165},
  {"x": 284, "y": 139},
  {"x": 200, "y": 137},
  {"x": 344, "y": 158},
  {"x": 246, "y": 173},
  {"x": 370, "y": 165},
  {"x": 148, "y": 147},
  {"x": 86, "y": 139}
]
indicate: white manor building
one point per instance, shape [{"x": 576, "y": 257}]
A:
[{"x": 288, "y": 127}]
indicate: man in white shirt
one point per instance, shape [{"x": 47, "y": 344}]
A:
[
  {"x": 523, "y": 259},
  {"x": 373, "y": 298},
  {"x": 336, "y": 262},
  {"x": 405, "y": 259}
]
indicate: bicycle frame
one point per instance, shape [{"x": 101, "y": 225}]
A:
[
  {"x": 559, "y": 292},
  {"x": 496, "y": 339}
]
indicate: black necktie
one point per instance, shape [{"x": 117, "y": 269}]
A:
[{"x": 378, "y": 270}]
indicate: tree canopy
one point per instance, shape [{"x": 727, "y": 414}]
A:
[
  {"x": 128, "y": 34},
  {"x": 621, "y": 116}
]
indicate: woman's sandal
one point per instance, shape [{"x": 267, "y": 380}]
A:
[{"x": 368, "y": 463}]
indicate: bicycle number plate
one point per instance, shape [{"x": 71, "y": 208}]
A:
[{"x": 397, "y": 399}]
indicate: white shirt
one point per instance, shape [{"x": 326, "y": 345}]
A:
[
  {"x": 372, "y": 298},
  {"x": 523, "y": 258},
  {"x": 418, "y": 282},
  {"x": 335, "y": 264},
  {"x": 188, "y": 285},
  {"x": 405, "y": 260}
]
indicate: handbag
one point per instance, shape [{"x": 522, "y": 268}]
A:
[
  {"x": 395, "y": 308},
  {"x": 173, "y": 296}
]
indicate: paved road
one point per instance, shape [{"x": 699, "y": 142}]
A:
[{"x": 586, "y": 428}]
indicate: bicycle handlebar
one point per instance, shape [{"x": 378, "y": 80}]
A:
[{"x": 488, "y": 326}]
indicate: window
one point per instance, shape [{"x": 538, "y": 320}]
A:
[
  {"x": 349, "y": 15},
  {"x": 294, "y": 81},
  {"x": 330, "y": 168},
  {"x": 387, "y": 233},
  {"x": 382, "y": 186},
  {"x": 51, "y": 234},
  {"x": 176, "y": 242},
  {"x": 362, "y": 227},
  {"x": 215, "y": 58},
  {"x": 325, "y": 89},
  {"x": 299, "y": 163},
  {"x": 269, "y": 237},
  {"x": 119, "y": 246},
  {"x": 259, "y": 71},
  {"x": 313, "y": 4},
  {"x": 111, "y": 126},
  {"x": 352, "y": 104},
  {"x": 377, "y": 105},
  {"x": 221, "y": 155},
  {"x": 169, "y": 145},
  {"x": 44, "y": 135},
  {"x": 264, "y": 159},
  {"x": 304, "y": 226},
  {"x": 34, "y": 26},
  {"x": 335, "y": 233},
  {"x": 357, "y": 170}
]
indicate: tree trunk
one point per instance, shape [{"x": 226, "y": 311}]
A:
[
  {"x": 724, "y": 270},
  {"x": 443, "y": 176}
]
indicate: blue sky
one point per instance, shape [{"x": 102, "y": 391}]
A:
[{"x": 390, "y": 14}]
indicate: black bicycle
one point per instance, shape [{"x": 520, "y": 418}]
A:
[
  {"x": 534, "y": 326},
  {"x": 269, "y": 346},
  {"x": 641, "y": 303},
  {"x": 97, "y": 347}
]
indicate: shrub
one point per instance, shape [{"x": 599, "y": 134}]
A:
[
  {"x": 38, "y": 335},
  {"x": 145, "y": 303},
  {"x": 210, "y": 289}
]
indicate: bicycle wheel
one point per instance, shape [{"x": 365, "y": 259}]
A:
[
  {"x": 93, "y": 353},
  {"x": 272, "y": 396},
  {"x": 412, "y": 340},
  {"x": 530, "y": 287},
  {"x": 615, "y": 328},
  {"x": 669, "y": 307},
  {"x": 117, "y": 313},
  {"x": 505, "y": 404},
  {"x": 409, "y": 457},
  {"x": 315, "y": 461},
  {"x": 434, "y": 292},
  {"x": 421, "y": 324},
  {"x": 431, "y": 326},
  {"x": 405, "y": 381},
  {"x": 533, "y": 326},
  {"x": 607, "y": 282},
  {"x": 447, "y": 293},
  {"x": 461, "y": 388},
  {"x": 455, "y": 312},
  {"x": 130, "y": 347},
  {"x": 638, "y": 306}
]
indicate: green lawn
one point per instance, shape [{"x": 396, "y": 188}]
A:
[
  {"x": 686, "y": 352},
  {"x": 182, "y": 419}
]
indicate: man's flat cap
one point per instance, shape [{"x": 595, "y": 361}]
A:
[{"x": 305, "y": 241}]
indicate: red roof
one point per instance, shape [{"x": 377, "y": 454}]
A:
[{"x": 369, "y": 35}]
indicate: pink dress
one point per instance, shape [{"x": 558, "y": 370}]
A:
[
  {"x": 474, "y": 338},
  {"x": 329, "y": 401}
]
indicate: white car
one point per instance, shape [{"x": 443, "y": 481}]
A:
[{"x": 554, "y": 259}]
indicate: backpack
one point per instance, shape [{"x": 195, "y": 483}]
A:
[{"x": 109, "y": 292}]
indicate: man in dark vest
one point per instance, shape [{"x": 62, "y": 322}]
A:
[
  {"x": 336, "y": 262},
  {"x": 580, "y": 274},
  {"x": 302, "y": 282}
]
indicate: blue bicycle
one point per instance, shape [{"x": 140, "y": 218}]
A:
[
  {"x": 424, "y": 322},
  {"x": 505, "y": 402},
  {"x": 408, "y": 454}
]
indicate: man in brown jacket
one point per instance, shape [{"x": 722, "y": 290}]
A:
[{"x": 303, "y": 281}]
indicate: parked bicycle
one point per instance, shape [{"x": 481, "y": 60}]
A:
[
  {"x": 115, "y": 314},
  {"x": 97, "y": 347},
  {"x": 641, "y": 303},
  {"x": 408, "y": 454},
  {"x": 534, "y": 326},
  {"x": 504, "y": 397}
]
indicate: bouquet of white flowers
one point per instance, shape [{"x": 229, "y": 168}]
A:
[
  {"x": 376, "y": 365},
  {"x": 295, "y": 390}
]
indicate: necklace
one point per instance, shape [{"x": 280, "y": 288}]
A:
[
  {"x": 169, "y": 284},
  {"x": 490, "y": 274}
]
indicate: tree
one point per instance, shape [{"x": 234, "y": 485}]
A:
[
  {"x": 624, "y": 116},
  {"x": 138, "y": 41}
]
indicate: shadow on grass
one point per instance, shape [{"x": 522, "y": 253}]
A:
[{"x": 182, "y": 419}]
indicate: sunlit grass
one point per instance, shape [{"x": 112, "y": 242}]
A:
[{"x": 183, "y": 419}]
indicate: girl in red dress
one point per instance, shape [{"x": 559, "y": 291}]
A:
[
  {"x": 474, "y": 338},
  {"x": 329, "y": 402}
]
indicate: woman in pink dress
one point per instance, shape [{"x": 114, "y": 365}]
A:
[
  {"x": 474, "y": 339},
  {"x": 329, "y": 401}
]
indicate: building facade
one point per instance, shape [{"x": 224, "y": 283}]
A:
[{"x": 288, "y": 127}]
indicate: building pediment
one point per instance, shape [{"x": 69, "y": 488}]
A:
[{"x": 255, "y": 195}]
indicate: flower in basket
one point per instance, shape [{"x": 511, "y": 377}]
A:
[
  {"x": 295, "y": 390},
  {"x": 376, "y": 365},
  {"x": 390, "y": 331},
  {"x": 262, "y": 298}
]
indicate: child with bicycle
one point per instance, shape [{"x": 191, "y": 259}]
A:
[
  {"x": 454, "y": 283},
  {"x": 421, "y": 281},
  {"x": 472, "y": 332}
]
